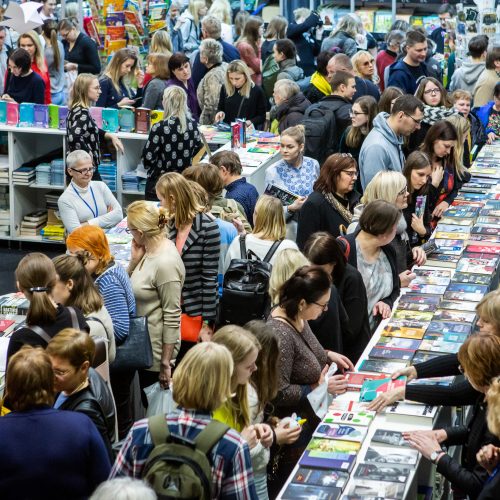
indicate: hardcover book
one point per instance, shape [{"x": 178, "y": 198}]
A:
[
  {"x": 391, "y": 353},
  {"x": 142, "y": 120},
  {"x": 416, "y": 306},
  {"x": 389, "y": 455},
  {"x": 296, "y": 491},
  {"x": 373, "y": 388},
  {"x": 382, "y": 472},
  {"x": 355, "y": 379},
  {"x": 317, "y": 477},
  {"x": 361, "y": 488},
  {"x": 359, "y": 417},
  {"x": 441, "y": 260},
  {"x": 340, "y": 431},
  {"x": 382, "y": 366},
  {"x": 457, "y": 338},
  {"x": 394, "y": 438}
]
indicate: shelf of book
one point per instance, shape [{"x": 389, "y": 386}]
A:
[{"x": 55, "y": 187}]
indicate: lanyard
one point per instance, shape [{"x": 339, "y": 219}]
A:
[
  {"x": 495, "y": 472},
  {"x": 96, "y": 213}
]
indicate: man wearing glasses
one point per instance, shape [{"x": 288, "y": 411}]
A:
[
  {"x": 381, "y": 149},
  {"x": 407, "y": 73}
]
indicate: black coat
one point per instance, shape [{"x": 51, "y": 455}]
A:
[
  {"x": 391, "y": 257},
  {"x": 96, "y": 402},
  {"x": 317, "y": 214},
  {"x": 365, "y": 87},
  {"x": 356, "y": 334},
  {"x": 313, "y": 94},
  {"x": 291, "y": 112},
  {"x": 84, "y": 53},
  {"x": 253, "y": 108}
]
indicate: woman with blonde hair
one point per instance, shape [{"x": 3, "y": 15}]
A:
[
  {"x": 221, "y": 10},
  {"x": 190, "y": 25},
  {"x": 115, "y": 80},
  {"x": 276, "y": 30},
  {"x": 285, "y": 264},
  {"x": 295, "y": 173},
  {"x": 462, "y": 152},
  {"x": 230, "y": 458},
  {"x": 30, "y": 42},
  {"x": 81, "y": 129},
  {"x": 157, "y": 275},
  {"x": 240, "y": 97},
  {"x": 36, "y": 278},
  {"x": 157, "y": 70},
  {"x": 364, "y": 66},
  {"x": 344, "y": 36},
  {"x": 248, "y": 46},
  {"x": 172, "y": 142},
  {"x": 75, "y": 288},
  {"x": 269, "y": 228},
  {"x": 197, "y": 238}
]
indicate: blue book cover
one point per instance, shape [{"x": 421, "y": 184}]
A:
[
  {"x": 41, "y": 115},
  {"x": 3, "y": 112},
  {"x": 328, "y": 460},
  {"x": 26, "y": 114},
  {"x": 110, "y": 121},
  {"x": 63, "y": 114},
  {"x": 126, "y": 119}
]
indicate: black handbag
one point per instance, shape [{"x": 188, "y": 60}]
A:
[{"x": 136, "y": 352}]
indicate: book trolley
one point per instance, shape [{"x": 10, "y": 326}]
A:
[{"x": 355, "y": 453}]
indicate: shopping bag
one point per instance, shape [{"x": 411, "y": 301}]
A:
[
  {"x": 160, "y": 400},
  {"x": 320, "y": 399}
]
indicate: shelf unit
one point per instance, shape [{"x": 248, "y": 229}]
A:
[{"x": 26, "y": 143}]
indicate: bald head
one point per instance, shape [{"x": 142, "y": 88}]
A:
[{"x": 339, "y": 62}]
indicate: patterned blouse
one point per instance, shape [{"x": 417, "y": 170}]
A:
[
  {"x": 168, "y": 149},
  {"x": 299, "y": 180},
  {"x": 83, "y": 133}
]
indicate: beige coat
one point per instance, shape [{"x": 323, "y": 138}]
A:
[
  {"x": 208, "y": 93},
  {"x": 483, "y": 91}
]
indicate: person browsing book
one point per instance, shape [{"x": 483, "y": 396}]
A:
[{"x": 85, "y": 201}]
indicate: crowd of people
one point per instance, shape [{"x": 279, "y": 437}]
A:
[{"x": 365, "y": 131}]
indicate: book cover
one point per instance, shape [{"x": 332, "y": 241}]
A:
[
  {"x": 413, "y": 315},
  {"x": 330, "y": 454},
  {"x": 484, "y": 230},
  {"x": 459, "y": 338},
  {"x": 441, "y": 260},
  {"x": 424, "y": 288},
  {"x": 53, "y": 110},
  {"x": 296, "y": 491},
  {"x": 142, "y": 120},
  {"x": 476, "y": 266},
  {"x": 286, "y": 197},
  {"x": 403, "y": 343},
  {"x": 381, "y": 365},
  {"x": 403, "y": 332},
  {"x": 317, "y": 477},
  {"x": 389, "y": 455},
  {"x": 26, "y": 114},
  {"x": 3, "y": 112},
  {"x": 458, "y": 316},
  {"x": 461, "y": 213},
  {"x": 472, "y": 297},
  {"x": 382, "y": 472},
  {"x": 483, "y": 247},
  {"x": 360, "y": 417},
  {"x": 416, "y": 298},
  {"x": 448, "y": 326},
  {"x": 339, "y": 431},
  {"x": 436, "y": 381},
  {"x": 460, "y": 305},
  {"x": 41, "y": 115},
  {"x": 432, "y": 273},
  {"x": 453, "y": 236},
  {"x": 458, "y": 222},
  {"x": 440, "y": 346},
  {"x": 126, "y": 119},
  {"x": 110, "y": 121},
  {"x": 411, "y": 409},
  {"x": 385, "y": 436},
  {"x": 484, "y": 238},
  {"x": 431, "y": 280},
  {"x": 453, "y": 228},
  {"x": 391, "y": 353},
  {"x": 366, "y": 489},
  {"x": 63, "y": 115},
  {"x": 355, "y": 379},
  {"x": 415, "y": 306},
  {"x": 474, "y": 279},
  {"x": 348, "y": 405},
  {"x": 373, "y": 388},
  {"x": 156, "y": 116},
  {"x": 96, "y": 114},
  {"x": 5, "y": 323}
]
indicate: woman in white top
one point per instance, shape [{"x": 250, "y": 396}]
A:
[
  {"x": 85, "y": 201},
  {"x": 269, "y": 226}
]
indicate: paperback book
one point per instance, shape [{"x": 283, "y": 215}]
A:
[
  {"x": 446, "y": 337},
  {"x": 356, "y": 379},
  {"x": 296, "y": 491},
  {"x": 449, "y": 327},
  {"x": 362, "y": 488},
  {"x": 373, "y": 388},
  {"x": 403, "y": 343},
  {"x": 461, "y": 305},
  {"x": 382, "y": 366},
  {"x": 440, "y": 346},
  {"x": 389, "y": 455},
  {"x": 382, "y": 472},
  {"x": 415, "y": 298},
  {"x": 359, "y": 417},
  {"x": 474, "y": 279},
  {"x": 330, "y": 454},
  {"x": 459, "y": 316},
  {"x": 391, "y": 353},
  {"x": 425, "y": 288},
  {"x": 317, "y": 477},
  {"x": 411, "y": 409},
  {"x": 421, "y": 356},
  {"x": 436, "y": 259},
  {"x": 413, "y": 315},
  {"x": 340, "y": 431},
  {"x": 394, "y": 438}
]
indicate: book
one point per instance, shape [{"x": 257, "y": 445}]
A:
[
  {"x": 432, "y": 273},
  {"x": 460, "y": 305},
  {"x": 373, "y": 388},
  {"x": 360, "y": 417},
  {"x": 286, "y": 197},
  {"x": 412, "y": 315},
  {"x": 340, "y": 431},
  {"x": 476, "y": 266},
  {"x": 458, "y": 222},
  {"x": 403, "y": 343},
  {"x": 403, "y": 332},
  {"x": 453, "y": 236},
  {"x": 347, "y": 405},
  {"x": 12, "y": 113},
  {"x": 142, "y": 120},
  {"x": 450, "y": 315},
  {"x": 471, "y": 297},
  {"x": 63, "y": 115},
  {"x": 425, "y": 289},
  {"x": 411, "y": 409},
  {"x": 382, "y": 472},
  {"x": 416, "y": 298},
  {"x": 441, "y": 260},
  {"x": 391, "y": 353},
  {"x": 453, "y": 228},
  {"x": 440, "y": 346},
  {"x": 475, "y": 279},
  {"x": 416, "y": 306},
  {"x": 373, "y": 490},
  {"x": 126, "y": 119},
  {"x": 5, "y": 324},
  {"x": 355, "y": 379},
  {"x": 448, "y": 326},
  {"x": 318, "y": 477},
  {"x": 388, "y": 455},
  {"x": 41, "y": 115},
  {"x": 330, "y": 454},
  {"x": 26, "y": 114},
  {"x": 296, "y": 491},
  {"x": 436, "y": 381},
  {"x": 457, "y": 338},
  {"x": 110, "y": 122},
  {"x": 394, "y": 438},
  {"x": 382, "y": 365},
  {"x": 483, "y": 247}
]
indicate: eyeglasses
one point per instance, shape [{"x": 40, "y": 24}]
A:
[
  {"x": 403, "y": 191},
  {"x": 351, "y": 173},
  {"x": 356, "y": 113},
  {"x": 61, "y": 373},
  {"x": 432, "y": 91},
  {"x": 324, "y": 307},
  {"x": 418, "y": 122},
  {"x": 129, "y": 230},
  {"x": 84, "y": 171}
]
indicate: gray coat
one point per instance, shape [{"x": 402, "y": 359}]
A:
[
  {"x": 153, "y": 94},
  {"x": 381, "y": 150},
  {"x": 208, "y": 93}
]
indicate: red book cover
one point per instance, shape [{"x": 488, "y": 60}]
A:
[
  {"x": 142, "y": 120},
  {"x": 484, "y": 248},
  {"x": 356, "y": 380},
  {"x": 5, "y": 323}
]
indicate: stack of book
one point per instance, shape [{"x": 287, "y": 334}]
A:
[
  {"x": 14, "y": 303},
  {"x": 4, "y": 169},
  {"x": 43, "y": 174},
  {"x": 33, "y": 223},
  {"x": 134, "y": 180},
  {"x": 107, "y": 170},
  {"x": 24, "y": 175},
  {"x": 57, "y": 172},
  {"x": 54, "y": 229},
  {"x": 4, "y": 211}
]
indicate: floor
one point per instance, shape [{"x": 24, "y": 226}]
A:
[{"x": 10, "y": 257}]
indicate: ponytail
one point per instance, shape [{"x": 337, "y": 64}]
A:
[{"x": 49, "y": 29}]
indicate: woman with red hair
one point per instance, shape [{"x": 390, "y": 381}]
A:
[{"x": 115, "y": 287}]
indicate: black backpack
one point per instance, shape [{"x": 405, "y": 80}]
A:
[
  {"x": 245, "y": 290},
  {"x": 320, "y": 131}
]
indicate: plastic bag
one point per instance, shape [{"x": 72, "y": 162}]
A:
[
  {"x": 320, "y": 399},
  {"x": 160, "y": 400}
]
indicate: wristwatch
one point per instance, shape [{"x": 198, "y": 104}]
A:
[{"x": 435, "y": 455}]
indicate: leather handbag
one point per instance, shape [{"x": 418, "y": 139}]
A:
[{"x": 136, "y": 352}]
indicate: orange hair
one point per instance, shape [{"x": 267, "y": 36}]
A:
[{"x": 92, "y": 239}]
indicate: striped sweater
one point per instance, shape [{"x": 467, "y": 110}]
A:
[
  {"x": 116, "y": 290},
  {"x": 200, "y": 255}
]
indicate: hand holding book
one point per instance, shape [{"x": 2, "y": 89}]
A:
[{"x": 386, "y": 398}]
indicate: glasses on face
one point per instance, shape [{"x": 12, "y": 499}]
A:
[
  {"x": 432, "y": 92},
  {"x": 351, "y": 173},
  {"x": 403, "y": 191},
  {"x": 352, "y": 114},
  {"x": 84, "y": 171},
  {"x": 418, "y": 122},
  {"x": 61, "y": 373},
  {"x": 324, "y": 307}
]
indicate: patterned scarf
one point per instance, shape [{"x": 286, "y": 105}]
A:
[
  {"x": 433, "y": 114},
  {"x": 344, "y": 212}
]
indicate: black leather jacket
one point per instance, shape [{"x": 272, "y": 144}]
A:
[{"x": 95, "y": 401}]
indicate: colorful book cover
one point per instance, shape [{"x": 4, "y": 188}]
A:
[
  {"x": 41, "y": 115},
  {"x": 355, "y": 379},
  {"x": 425, "y": 289},
  {"x": 457, "y": 221},
  {"x": 63, "y": 115},
  {"x": 459, "y": 316},
  {"x": 156, "y": 116},
  {"x": 454, "y": 236},
  {"x": 472, "y": 297},
  {"x": 316, "y": 477},
  {"x": 448, "y": 326},
  {"x": 5, "y": 323},
  {"x": 126, "y": 119},
  {"x": 416, "y": 298},
  {"x": 26, "y": 114},
  {"x": 330, "y": 454},
  {"x": 421, "y": 356},
  {"x": 296, "y": 491},
  {"x": 403, "y": 332},
  {"x": 382, "y": 472},
  {"x": 459, "y": 338},
  {"x": 391, "y": 353},
  {"x": 453, "y": 228},
  {"x": 96, "y": 114},
  {"x": 415, "y": 306},
  {"x": 460, "y": 305},
  {"x": 110, "y": 121},
  {"x": 393, "y": 438},
  {"x": 339, "y": 431},
  {"x": 403, "y": 343},
  {"x": 381, "y": 366},
  {"x": 386, "y": 454},
  {"x": 440, "y": 346},
  {"x": 413, "y": 315},
  {"x": 476, "y": 266},
  {"x": 373, "y": 388},
  {"x": 474, "y": 279},
  {"x": 359, "y": 417},
  {"x": 347, "y": 405},
  {"x": 53, "y": 116},
  {"x": 483, "y": 248}
]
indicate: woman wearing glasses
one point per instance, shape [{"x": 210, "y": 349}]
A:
[
  {"x": 363, "y": 111},
  {"x": 82, "y": 131},
  {"x": 85, "y": 201},
  {"x": 437, "y": 106},
  {"x": 364, "y": 66},
  {"x": 330, "y": 206}
]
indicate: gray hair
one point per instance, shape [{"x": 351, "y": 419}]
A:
[
  {"x": 179, "y": 4},
  {"x": 75, "y": 157},
  {"x": 395, "y": 36},
  {"x": 212, "y": 26},
  {"x": 286, "y": 88},
  {"x": 175, "y": 105},
  {"x": 123, "y": 488},
  {"x": 212, "y": 50}
]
